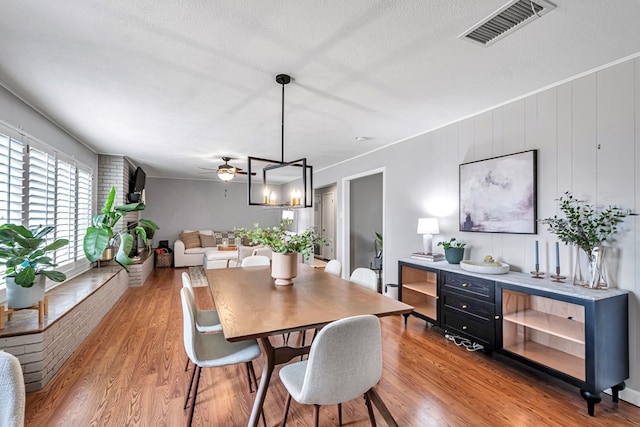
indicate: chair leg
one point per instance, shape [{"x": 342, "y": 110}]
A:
[
  {"x": 186, "y": 366},
  {"x": 195, "y": 395},
  {"x": 372, "y": 418},
  {"x": 186, "y": 400},
  {"x": 286, "y": 410},
  {"x": 339, "y": 413},
  {"x": 252, "y": 375},
  {"x": 316, "y": 415}
]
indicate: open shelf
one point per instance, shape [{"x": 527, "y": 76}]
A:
[
  {"x": 548, "y": 356},
  {"x": 422, "y": 303},
  {"x": 427, "y": 288},
  {"x": 561, "y": 327}
]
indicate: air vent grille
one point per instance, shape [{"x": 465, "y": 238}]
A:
[{"x": 512, "y": 16}]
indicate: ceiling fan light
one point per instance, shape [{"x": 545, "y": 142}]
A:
[{"x": 226, "y": 173}]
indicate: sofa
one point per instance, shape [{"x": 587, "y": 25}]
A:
[{"x": 200, "y": 247}]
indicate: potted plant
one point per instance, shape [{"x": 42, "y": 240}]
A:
[
  {"x": 587, "y": 228},
  {"x": 285, "y": 246},
  {"x": 102, "y": 238},
  {"x": 453, "y": 250},
  {"x": 24, "y": 253}
]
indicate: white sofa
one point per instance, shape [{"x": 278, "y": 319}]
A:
[{"x": 207, "y": 253}]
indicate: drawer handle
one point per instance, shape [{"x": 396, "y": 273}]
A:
[
  {"x": 464, "y": 285},
  {"x": 464, "y": 328},
  {"x": 464, "y": 306},
  {"x": 497, "y": 317}
]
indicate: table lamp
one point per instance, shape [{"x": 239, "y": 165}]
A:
[{"x": 428, "y": 227}]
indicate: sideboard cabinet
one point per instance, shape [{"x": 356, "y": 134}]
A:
[{"x": 576, "y": 334}]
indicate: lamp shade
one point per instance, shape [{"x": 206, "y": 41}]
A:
[
  {"x": 226, "y": 172},
  {"x": 428, "y": 226}
]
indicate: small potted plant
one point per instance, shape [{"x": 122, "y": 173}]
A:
[
  {"x": 102, "y": 238},
  {"x": 24, "y": 253},
  {"x": 453, "y": 250},
  {"x": 285, "y": 246}
]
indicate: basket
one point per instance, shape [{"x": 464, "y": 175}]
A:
[{"x": 164, "y": 260}]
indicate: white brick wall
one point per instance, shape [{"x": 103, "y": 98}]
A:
[{"x": 42, "y": 354}]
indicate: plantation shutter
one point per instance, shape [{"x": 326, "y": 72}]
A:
[{"x": 11, "y": 173}]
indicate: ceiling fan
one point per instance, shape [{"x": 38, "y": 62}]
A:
[{"x": 226, "y": 172}]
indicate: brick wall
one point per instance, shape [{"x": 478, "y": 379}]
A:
[{"x": 42, "y": 354}]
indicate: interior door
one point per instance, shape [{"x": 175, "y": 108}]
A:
[
  {"x": 317, "y": 220},
  {"x": 327, "y": 219}
]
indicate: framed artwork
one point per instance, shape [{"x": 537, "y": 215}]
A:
[{"x": 499, "y": 195}]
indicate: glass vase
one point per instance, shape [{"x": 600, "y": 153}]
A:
[{"x": 590, "y": 271}]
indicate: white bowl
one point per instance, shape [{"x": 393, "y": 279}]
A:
[{"x": 480, "y": 267}]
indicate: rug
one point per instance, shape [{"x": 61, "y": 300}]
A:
[{"x": 198, "y": 277}]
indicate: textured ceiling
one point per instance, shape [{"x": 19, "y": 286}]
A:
[{"x": 176, "y": 85}]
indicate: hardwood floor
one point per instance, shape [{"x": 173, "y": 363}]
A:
[{"x": 130, "y": 372}]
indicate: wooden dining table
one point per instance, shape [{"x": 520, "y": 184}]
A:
[{"x": 251, "y": 306}]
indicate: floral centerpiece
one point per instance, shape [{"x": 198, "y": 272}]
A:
[
  {"x": 285, "y": 247},
  {"x": 587, "y": 228}
]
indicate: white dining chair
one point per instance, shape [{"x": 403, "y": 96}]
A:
[
  {"x": 12, "y": 390},
  {"x": 334, "y": 267},
  {"x": 206, "y": 320},
  {"x": 255, "y": 260},
  {"x": 211, "y": 351},
  {"x": 365, "y": 277},
  {"x": 345, "y": 362}
]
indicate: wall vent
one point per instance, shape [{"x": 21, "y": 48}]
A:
[{"x": 509, "y": 18}]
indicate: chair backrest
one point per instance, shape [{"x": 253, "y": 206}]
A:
[
  {"x": 264, "y": 251},
  {"x": 186, "y": 281},
  {"x": 12, "y": 391},
  {"x": 334, "y": 267},
  {"x": 344, "y": 362},
  {"x": 254, "y": 260},
  {"x": 365, "y": 277},
  {"x": 188, "y": 324}
]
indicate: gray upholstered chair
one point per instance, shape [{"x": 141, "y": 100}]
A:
[
  {"x": 334, "y": 267},
  {"x": 365, "y": 277},
  {"x": 211, "y": 350},
  {"x": 345, "y": 362},
  {"x": 255, "y": 260},
  {"x": 12, "y": 392},
  {"x": 206, "y": 320}
]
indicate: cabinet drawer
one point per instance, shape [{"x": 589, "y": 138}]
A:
[
  {"x": 469, "y": 326},
  {"x": 483, "y": 310},
  {"x": 472, "y": 286}
]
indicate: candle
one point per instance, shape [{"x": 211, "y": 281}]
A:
[
  {"x": 557, "y": 254},
  {"x": 266, "y": 195},
  {"x": 536, "y": 254},
  {"x": 273, "y": 198}
]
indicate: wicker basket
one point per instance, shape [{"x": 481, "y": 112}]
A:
[{"x": 164, "y": 260}]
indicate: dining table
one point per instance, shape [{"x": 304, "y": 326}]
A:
[{"x": 251, "y": 306}]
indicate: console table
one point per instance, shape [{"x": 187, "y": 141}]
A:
[{"x": 576, "y": 334}]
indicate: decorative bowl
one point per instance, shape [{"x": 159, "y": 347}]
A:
[{"x": 481, "y": 267}]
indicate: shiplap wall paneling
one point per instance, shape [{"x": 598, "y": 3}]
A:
[{"x": 584, "y": 137}]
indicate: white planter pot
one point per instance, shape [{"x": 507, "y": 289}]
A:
[
  {"x": 284, "y": 267},
  {"x": 19, "y": 297}
]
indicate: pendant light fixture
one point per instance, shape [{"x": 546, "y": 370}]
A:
[{"x": 275, "y": 174}]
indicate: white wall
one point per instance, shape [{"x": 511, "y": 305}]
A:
[
  {"x": 587, "y": 132},
  {"x": 178, "y": 204}
]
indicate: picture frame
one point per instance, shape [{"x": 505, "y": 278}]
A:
[{"x": 499, "y": 194}]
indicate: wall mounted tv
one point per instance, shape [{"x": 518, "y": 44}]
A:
[{"x": 136, "y": 185}]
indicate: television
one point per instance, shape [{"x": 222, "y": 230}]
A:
[{"x": 136, "y": 185}]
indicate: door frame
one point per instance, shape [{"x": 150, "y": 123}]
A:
[{"x": 345, "y": 235}]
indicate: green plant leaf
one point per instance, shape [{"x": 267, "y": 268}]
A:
[
  {"x": 56, "y": 276},
  {"x": 95, "y": 242}
]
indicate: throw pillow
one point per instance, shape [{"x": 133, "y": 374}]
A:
[
  {"x": 207, "y": 241},
  {"x": 219, "y": 235},
  {"x": 191, "y": 240}
]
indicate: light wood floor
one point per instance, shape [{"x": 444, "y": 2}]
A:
[{"x": 130, "y": 372}]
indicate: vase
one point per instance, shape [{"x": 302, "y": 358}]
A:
[
  {"x": 454, "y": 255},
  {"x": 284, "y": 267},
  {"x": 21, "y": 297},
  {"x": 590, "y": 271}
]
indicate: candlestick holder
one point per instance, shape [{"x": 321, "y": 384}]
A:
[
  {"x": 537, "y": 274},
  {"x": 557, "y": 277}
]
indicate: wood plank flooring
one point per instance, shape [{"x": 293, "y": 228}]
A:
[{"x": 130, "y": 372}]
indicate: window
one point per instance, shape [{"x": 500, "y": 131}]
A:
[{"x": 39, "y": 186}]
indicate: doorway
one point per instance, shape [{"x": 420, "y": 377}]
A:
[
  {"x": 325, "y": 220},
  {"x": 363, "y": 202}
]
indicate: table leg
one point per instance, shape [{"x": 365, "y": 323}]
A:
[{"x": 272, "y": 357}]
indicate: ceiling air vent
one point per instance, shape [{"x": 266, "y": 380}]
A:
[{"x": 509, "y": 18}]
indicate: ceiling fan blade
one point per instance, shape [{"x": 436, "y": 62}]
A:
[
  {"x": 244, "y": 173},
  {"x": 207, "y": 169}
]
